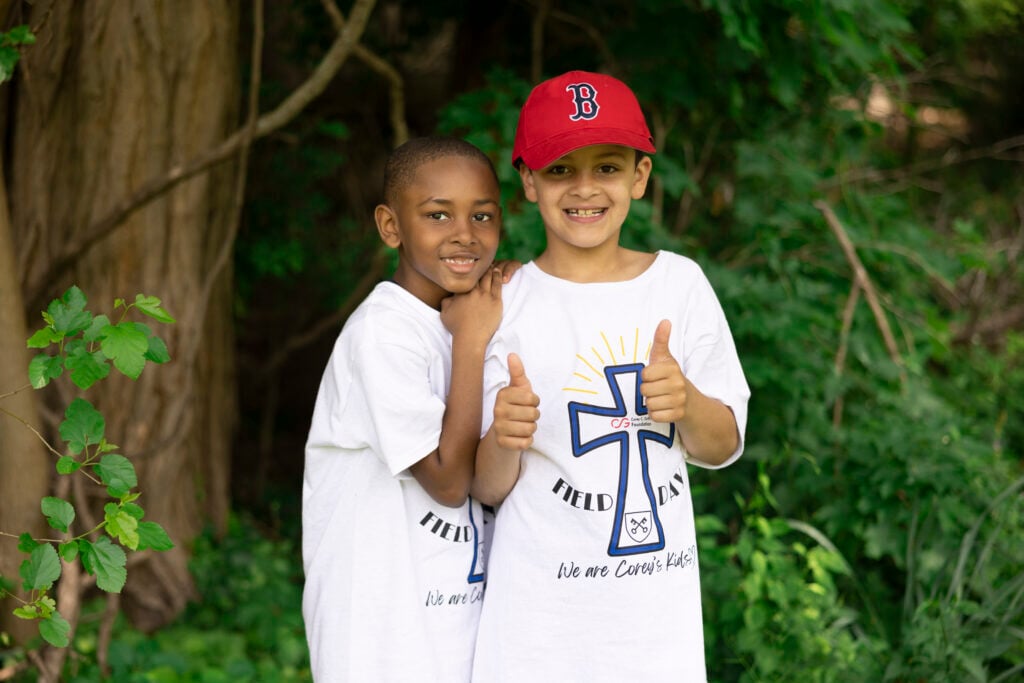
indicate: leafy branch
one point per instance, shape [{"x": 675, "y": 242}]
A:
[{"x": 85, "y": 346}]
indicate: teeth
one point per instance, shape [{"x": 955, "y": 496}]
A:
[
  {"x": 459, "y": 260},
  {"x": 584, "y": 212}
]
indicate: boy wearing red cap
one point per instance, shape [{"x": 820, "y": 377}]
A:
[{"x": 611, "y": 370}]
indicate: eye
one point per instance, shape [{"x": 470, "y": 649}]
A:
[
  {"x": 437, "y": 216},
  {"x": 482, "y": 217},
  {"x": 558, "y": 170},
  {"x": 607, "y": 169}
]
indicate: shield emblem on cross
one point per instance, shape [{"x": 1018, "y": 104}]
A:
[{"x": 638, "y": 525}]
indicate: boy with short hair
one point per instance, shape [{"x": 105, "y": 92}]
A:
[
  {"x": 620, "y": 369},
  {"x": 392, "y": 548}
]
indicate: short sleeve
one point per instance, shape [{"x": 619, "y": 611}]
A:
[
  {"x": 399, "y": 401},
  {"x": 710, "y": 360}
]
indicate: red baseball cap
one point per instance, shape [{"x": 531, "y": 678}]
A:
[{"x": 575, "y": 110}]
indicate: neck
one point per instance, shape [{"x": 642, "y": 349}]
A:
[{"x": 588, "y": 265}]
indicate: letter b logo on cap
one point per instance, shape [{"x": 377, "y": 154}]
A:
[{"x": 584, "y": 97}]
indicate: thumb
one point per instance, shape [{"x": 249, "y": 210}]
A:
[
  {"x": 659, "y": 349},
  {"x": 516, "y": 372}
]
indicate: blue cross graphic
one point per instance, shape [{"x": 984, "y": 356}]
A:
[
  {"x": 637, "y": 528},
  {"x": 476, "y": 569}
]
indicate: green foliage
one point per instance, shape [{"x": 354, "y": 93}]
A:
[
  {"x": 127, "y": 344},
  {"x": 11, "y": 43},
  {"x": 773, "y": 606},
  {"x": 86, "y": 346},
  {"x": 245, "y": 626}
]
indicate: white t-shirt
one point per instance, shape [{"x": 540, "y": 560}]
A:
[
  {"x": 394, "y": 580},
  {"x": 593, "y": 574}
]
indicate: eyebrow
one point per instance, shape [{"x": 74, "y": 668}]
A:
[
  {"x": 604, "y": 156},
  {"x": 448, "y": 202}
]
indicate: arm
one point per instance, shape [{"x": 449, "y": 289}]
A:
[
  {"x": 447, "y": 472},
  {"x": 706, "y": 426},
  {"x": 499, "y": 454}
]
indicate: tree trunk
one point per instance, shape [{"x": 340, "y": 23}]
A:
[
  {"x": 113, "y": 94},
  {"x": 20, "y": 450}
]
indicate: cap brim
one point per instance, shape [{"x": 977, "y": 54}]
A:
[{"x": 547, "y": 151}]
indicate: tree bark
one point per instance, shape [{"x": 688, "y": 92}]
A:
[
  {"x": 115, "y": 93},
  {"x": 20, "y": 450}
]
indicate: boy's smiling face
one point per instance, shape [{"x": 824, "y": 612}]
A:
[
  {"x": 445, "y": 224},
  {"x": 584, "y": 196}
]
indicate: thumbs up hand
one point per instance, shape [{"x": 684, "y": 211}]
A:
[
  {"x": 663, "y": 383},
  {"x": 515, "y": 409}
]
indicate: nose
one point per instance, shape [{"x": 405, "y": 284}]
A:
[
  {"x": 584, "y": 185},
  {"x": 462, "y": 231}
]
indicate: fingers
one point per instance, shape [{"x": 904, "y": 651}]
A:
[
  {"x": 659, "y": 349},
  {"x": 663, "y": 383},
  {"x": 515, "y": 411},
  {"x": 491, "y": 281},
  {"x": 517, "y": 373},
  {"x": 507, "y": 268}
]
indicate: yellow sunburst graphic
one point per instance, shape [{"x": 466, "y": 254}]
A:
[{"x": 609, "y": 352}]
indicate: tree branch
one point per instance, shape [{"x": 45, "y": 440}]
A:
[
  {"x": 860, "y": 274},
  {"x": 310, "y": 335},
  {"x": 382, "y": 67},
  {"x": 266, "y": 124},
  {"x": 844, "y": 345},
  {"x": 952, "y": 158},
  {"x": 537, "y": 39}
]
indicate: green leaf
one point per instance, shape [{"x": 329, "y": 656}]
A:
[
  {"x": 134, "y": 510},
  {"x": 68, "y": 312},
  {"x": 43, "y": 338},
  {"x": 106, "y": 562},
  {"x": 153, "y": 537},
  {"x": 55, "y": 630},
  {"x": 86, "y": 367},
  {"x": 43, "y": 368},
  {"x": 41, "y": 569},
  {"x": 126, "y": 345},
  {"x": 150, "y": 305},
  {"x": 9, "y": 57},
  {"x": 68, "y": 551},
  {"x": 117, "y": 473},
  {"x": 121, "y": 525},
  {"x": 105, "y": 447},
  {"x": 83, "y": 425},
  {"x": 157, "y": 351},
  {"x": 46, "y": 605},
  {"x": 66, "y": 465},
  {"x": 27, "y": 612},
  {"x": 93, "y": 332},
  {"x": 59, "y": 513},
  {"x": 26, "y": 543},
  {"x": 21, "y": 35}
]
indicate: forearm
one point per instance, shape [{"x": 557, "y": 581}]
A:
[
  {"x": 497, "y": 470},
  {"x": 708, "y": 430},
  {"x": 447, "y": 473}
]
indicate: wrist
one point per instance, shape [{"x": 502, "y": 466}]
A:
[{"x": 470, "y": 343}]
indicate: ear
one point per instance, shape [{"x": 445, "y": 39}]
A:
[
  {"x": 526, "y": 175},
  {"x": 387, "y": 225},
  {"x": 640, "y": 178}
]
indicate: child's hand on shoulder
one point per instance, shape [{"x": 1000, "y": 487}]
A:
[
  {"x": 507, "y": 268},
  {"x": 475, "y": 314},
  {"x": 663, "y": 383}
]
